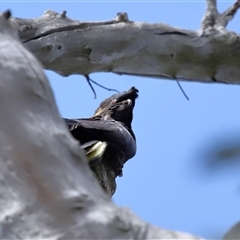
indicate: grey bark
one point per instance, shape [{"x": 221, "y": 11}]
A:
[
  {"x": 46, "y": 188},
  {"x": 233, "y": 233},
  {"x": 210, "y": 54},
  {"x": 106, "y": 177}
]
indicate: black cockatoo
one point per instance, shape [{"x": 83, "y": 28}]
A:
[
  {"x": 131, "y": 94},
  {"x": 108, "y": 136}
]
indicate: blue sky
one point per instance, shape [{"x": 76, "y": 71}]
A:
[{"x": 167, "y": 182}]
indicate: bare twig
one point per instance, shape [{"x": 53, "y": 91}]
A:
[
  {"x": 185, "y": 95},
  {"x": 230, "y": 12},
  {"x": 89, "y": 80}
]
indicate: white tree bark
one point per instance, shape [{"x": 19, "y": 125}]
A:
[
  {"x": 46, "y": 188},
  {"x": 210, "y": 54},
  {"x": 233, "y": 233}
]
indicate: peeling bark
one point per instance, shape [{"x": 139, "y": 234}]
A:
[{"x": 47, "y": 189}]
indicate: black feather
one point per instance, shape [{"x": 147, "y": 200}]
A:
[
  {"x": 111, "y": 124},
  {"x": 131, "y": 94}
]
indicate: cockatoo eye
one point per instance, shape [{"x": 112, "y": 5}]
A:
[{"x": 121, "y": 107}]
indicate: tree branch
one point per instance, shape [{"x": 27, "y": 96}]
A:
[
  {"x": 213, "y": 19},
  {"x": 233, "y": 233},
  {"x": 211, "y": 54},
  {"x": 47, "y": 189}
]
